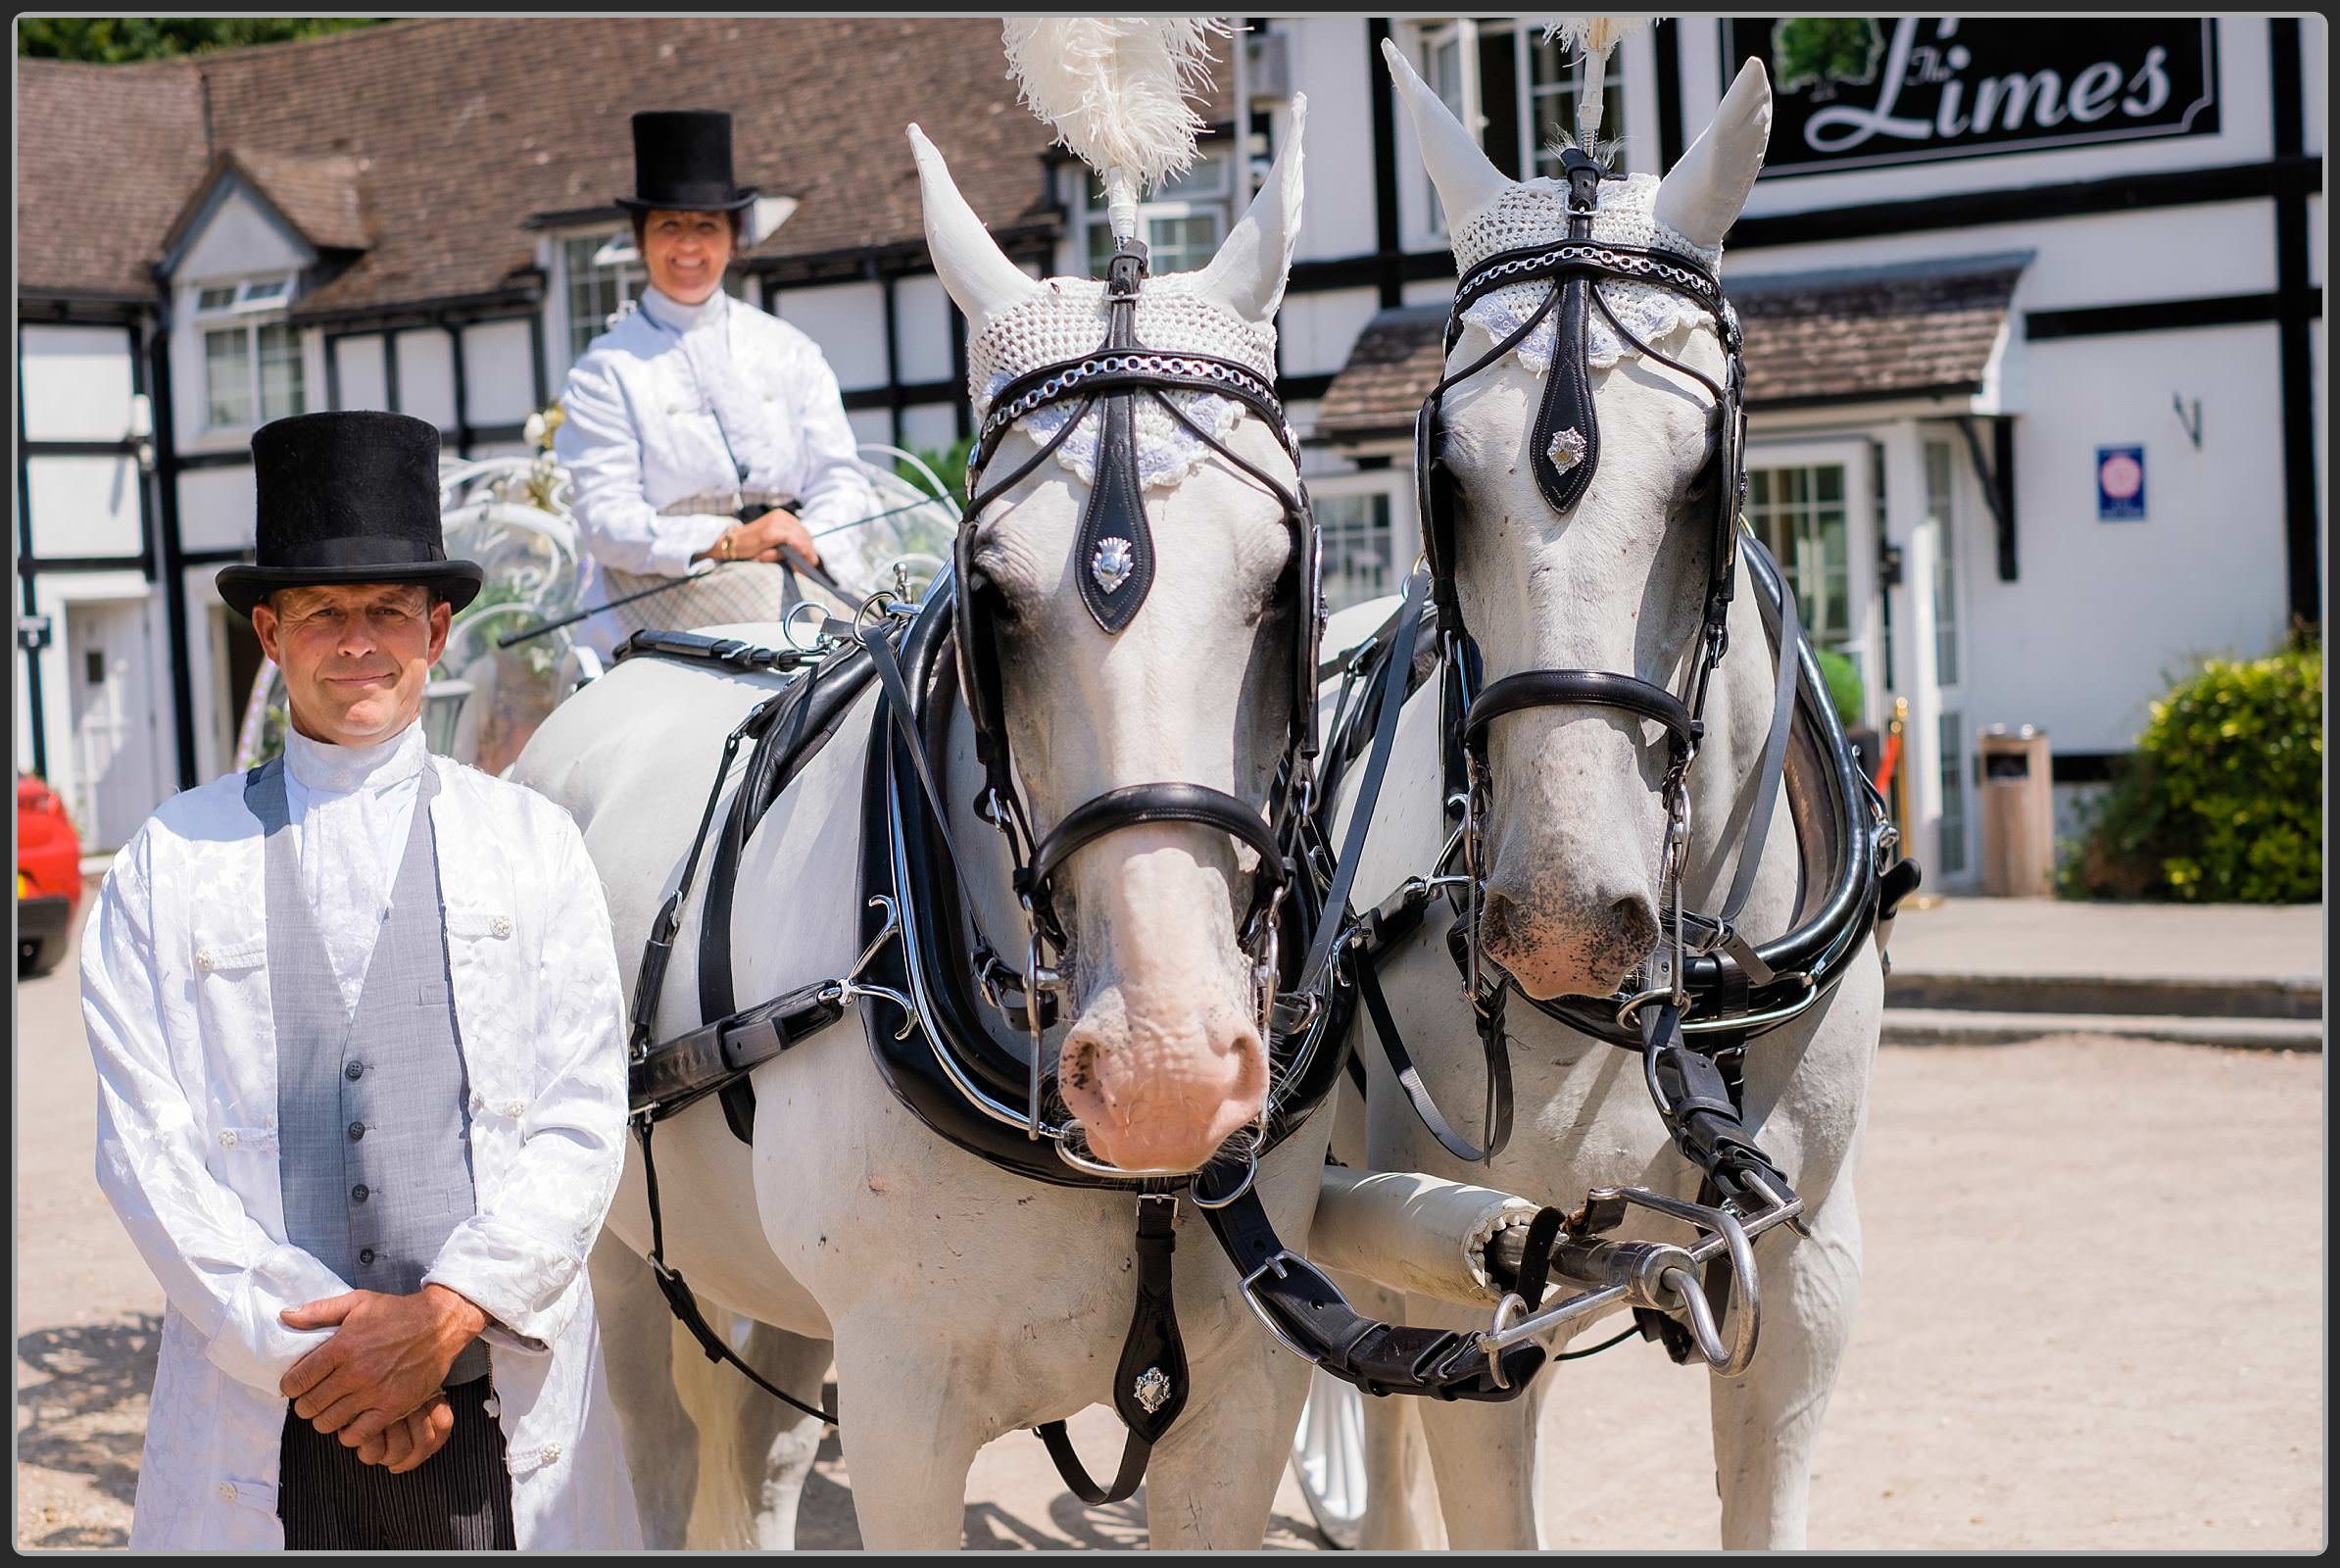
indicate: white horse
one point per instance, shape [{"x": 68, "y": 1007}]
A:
[
  {"x": 963, "y": 1301},
  {"x": 1572, "y": 839}
]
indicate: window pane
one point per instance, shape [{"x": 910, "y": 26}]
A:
[
  {"x": 227, "y": 378},
  {"x": 1953, "y": 848},
  {"x": 272, "y": 289},
  {"x": 215, "y": 299},
  {"x": 1354, "y": 531},
  {"x": 280, "y": 387},
  {"x": 1500, "y": 95},
  {"x": 595, "y": 292},
  {"x": 1938, "y": 504},
  {"x": 1181, "y": 244},
  {"x": 1552, "y": 90},
  {"x": 1811, "y": 540}
]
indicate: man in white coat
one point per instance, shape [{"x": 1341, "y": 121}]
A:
[{"x": 361, "y": 1087}]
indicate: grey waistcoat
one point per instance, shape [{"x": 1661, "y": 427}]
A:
[{"x": 372, "y": 1113}]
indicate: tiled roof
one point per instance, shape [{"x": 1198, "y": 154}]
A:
[
  {"x": 1842, "y": 336},
  {"x": 106, "y": 156},
  {"x": 1390, "y": 370},
  {"x": 465, "y": 128},
  {"x": 318, "y": 194},
  {"x": 1879, "y": 333}
]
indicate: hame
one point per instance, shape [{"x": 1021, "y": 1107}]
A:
[{"x": 2015, "y": 101}]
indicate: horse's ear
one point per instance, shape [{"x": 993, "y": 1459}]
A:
[
  {"x": 1465, "y": 178},
  {"x": 974, "y": 269},
  {"x": 1247, "y": 274},
  {"x": 1701, "y": 196}
]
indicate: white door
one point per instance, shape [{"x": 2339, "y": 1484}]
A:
[
  {"x": 116, "y": 779},
  {"x": 1814, "y": 505}
]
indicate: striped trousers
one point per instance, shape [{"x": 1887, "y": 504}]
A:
[{"x": 458, "y": 1499}]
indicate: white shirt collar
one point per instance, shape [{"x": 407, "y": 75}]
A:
[
  {"x": 322, "y": 767},
  {"x": 676, "y": 317}
]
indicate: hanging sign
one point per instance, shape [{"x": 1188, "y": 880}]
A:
[
  {"x": 32, "y": 632},
  {"x": 2120, "y": 484},
  {"x": 1863, "y": 92}
]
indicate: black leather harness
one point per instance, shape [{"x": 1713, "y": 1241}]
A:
[{"x": 955, "y": 1031}]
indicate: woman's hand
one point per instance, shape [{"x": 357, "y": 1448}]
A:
[{"x": 762, "y": 539}]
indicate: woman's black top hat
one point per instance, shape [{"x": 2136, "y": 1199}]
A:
[
  {"x": 682, "y": 162},
  {"x": 343, "y": 497}
]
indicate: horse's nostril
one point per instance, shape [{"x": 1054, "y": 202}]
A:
[{"x": 1636, "y": 922}]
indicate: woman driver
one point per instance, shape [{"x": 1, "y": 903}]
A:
[{"x": 699, "y": 429}]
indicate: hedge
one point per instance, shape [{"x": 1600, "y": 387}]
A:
[{"x": 2222, "y": 800}]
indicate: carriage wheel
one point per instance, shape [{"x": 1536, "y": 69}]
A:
[{"x": 1327, "y": 1458}]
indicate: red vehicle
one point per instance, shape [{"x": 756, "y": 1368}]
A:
[{"x": 48, "y": 876}]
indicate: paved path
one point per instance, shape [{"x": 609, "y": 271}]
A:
[
  {"x": 2026, "y": 1373},
  {"x": 2155, "y": 941}
]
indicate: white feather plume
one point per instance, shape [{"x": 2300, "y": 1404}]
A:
[
  {"x": 1115, "y": 88},
  {"x": 1592, "y": 38}
]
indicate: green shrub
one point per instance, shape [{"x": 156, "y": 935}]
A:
[
  {"x": 1844, "y": 685},
  {"x": 2223, "y": 799}
]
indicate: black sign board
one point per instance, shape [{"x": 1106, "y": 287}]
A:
[{"x": 1866, "y": 92}]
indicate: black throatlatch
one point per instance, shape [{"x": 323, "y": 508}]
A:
[
  {"x": 1566, "y": 413},
  {"x": 1114, "y": 557}
]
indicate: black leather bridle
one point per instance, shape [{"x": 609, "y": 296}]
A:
[
  {"x": 1702, "y": 962},
  {"x": 1114, "y": 567}
]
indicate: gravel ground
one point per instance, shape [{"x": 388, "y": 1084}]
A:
[{"x": 2019, "y": 1378}]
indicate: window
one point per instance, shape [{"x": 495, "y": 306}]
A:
[
  {"x": 1359, "y": 554},
  {"x": 1939, "y": 500},
  {"x": 1182, "y": 226},
  {"x": 252, "y": 366},
  {"x": 1799, "y": 515},
  {"x": 1517, "y": 92},
  {"x": 603, "y": 271},
  {"x": 1952, "y": 846}
]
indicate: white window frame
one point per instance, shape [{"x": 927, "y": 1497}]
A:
[
  {"x": 1465, "y": 32},
  {"x": 1186, "y": 200},
  {"x": 252, "y": 305},
  {"x": 614, "y": 252},
  {"x": 1395, "y": 481}
]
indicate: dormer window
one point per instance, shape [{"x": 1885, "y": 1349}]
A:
[{"x": 252, "y": 370}]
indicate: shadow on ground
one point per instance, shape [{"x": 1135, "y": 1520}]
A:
[{"x": 74, "y": 1383}]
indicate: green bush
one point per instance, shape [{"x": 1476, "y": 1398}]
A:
[
  {"x": 1844, "y": 685},
  {"x": 2223, "y": 799}
]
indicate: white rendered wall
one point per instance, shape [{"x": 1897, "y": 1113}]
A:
[
  {"x": 77, "y": 382},
  {"x": 83, "y": 505},
  {"x": 849, "y": 322},
  {"x": 1316, "y": 331},
  {"x": 1329, "y": 59},
  {"x": 2080, "y": 641},
  {"x": 922, "y": 329},
  {"x": 364, "y": 373},
  {"x": 214, "y": 509},
  {"x": 498, "y": 385},
  {"x": 427, "y": 375},
  {"x": 240, "y": 240}
]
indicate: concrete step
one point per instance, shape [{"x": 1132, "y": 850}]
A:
[
  {"x": 2181, "y": 996},
  {"x": 1957, "y": 1026}
]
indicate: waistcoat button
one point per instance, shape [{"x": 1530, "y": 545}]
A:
[
  {"x": 227, "y": 1138},
  {"x": 360, "y": 1192},
  {"x": 226, "y": 1492},
  {"x": 356, "y": 1131},
  {"x": 552, "y": 1453},
  {"x": 500, "y": 925},
  {"x": 366, "y": 1254},
  {"x": 354, "y": 1072}
]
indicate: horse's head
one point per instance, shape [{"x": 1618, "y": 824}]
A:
[
  {"x": 1164, "y": 1059},
  {"x": 1573, "y": 828}
]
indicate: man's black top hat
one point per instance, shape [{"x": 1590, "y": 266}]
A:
[
  {"x": 348, "y": 497},
  {"x": 682, "y": 162}
]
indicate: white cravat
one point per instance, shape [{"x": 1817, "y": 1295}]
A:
[{"x": 348, "y": 810}]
